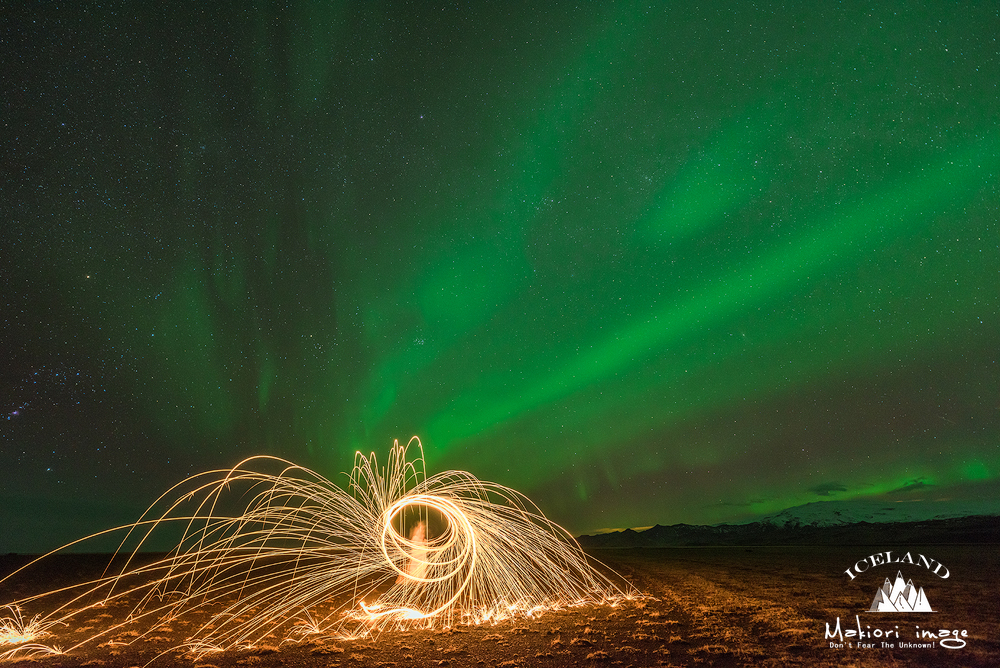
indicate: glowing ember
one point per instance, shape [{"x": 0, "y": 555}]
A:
[
  {"x": 300, "y": 556},
  {"x": 14, "y": 630}
]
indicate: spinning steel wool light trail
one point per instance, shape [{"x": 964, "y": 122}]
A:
[{"x": 290, "y": 554}]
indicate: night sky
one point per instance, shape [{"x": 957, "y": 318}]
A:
[{"x": 644, "y": 262}]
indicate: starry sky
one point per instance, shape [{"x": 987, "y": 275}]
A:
[{"x": 644, "y": 262}]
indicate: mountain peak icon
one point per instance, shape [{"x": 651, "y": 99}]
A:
[{"x": 900, "y": 596}]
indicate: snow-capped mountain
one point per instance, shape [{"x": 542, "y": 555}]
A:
[
  {"x": 899, "y": 596},
  {"x": 802, "y": 529},
  {"x": 835, "y": 513},
  {"x": 958, "y": 514}
]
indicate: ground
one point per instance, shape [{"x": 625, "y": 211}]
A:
[{"x": 733, "y": 606}]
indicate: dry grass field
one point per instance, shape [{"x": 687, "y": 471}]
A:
[{"x": 760, "y": 606}]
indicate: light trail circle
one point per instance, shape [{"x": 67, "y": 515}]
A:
[{"x": 460, "y": 538}]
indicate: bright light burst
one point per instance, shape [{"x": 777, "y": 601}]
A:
[
  {"x": 14, "y": 630},
  {"x": 290, "y": 554}
]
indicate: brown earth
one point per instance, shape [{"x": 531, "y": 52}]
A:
[{"x": 761, "y": 606}]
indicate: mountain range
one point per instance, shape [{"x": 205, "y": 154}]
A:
[
  {"x": 862, "y": 522},
  {"x": 881, "y": 511}
]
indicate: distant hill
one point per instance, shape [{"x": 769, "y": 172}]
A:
[
  {"x": 974, "y": 529},
  {"x": 875, "y": 511},
  {"x": 969, "y": 518}
]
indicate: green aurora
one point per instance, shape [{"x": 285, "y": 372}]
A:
[{"x": 643, "y": 263}]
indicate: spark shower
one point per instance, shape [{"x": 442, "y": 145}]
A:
[{"x": 290, "y": 554}]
